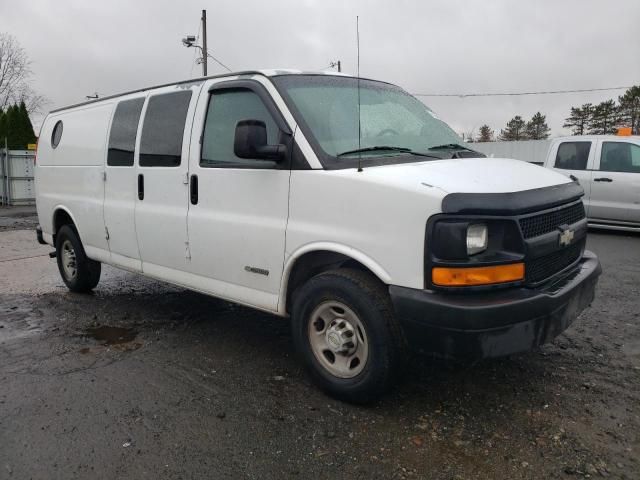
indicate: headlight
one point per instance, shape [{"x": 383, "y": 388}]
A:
[{"x": 476, "y": 238}]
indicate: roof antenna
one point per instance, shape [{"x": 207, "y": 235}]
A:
[{"x": 358, "y": 80}]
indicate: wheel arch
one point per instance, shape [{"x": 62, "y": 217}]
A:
[
  {"x": 62, "y": 216},
  {"x": 313, "y": 259}
]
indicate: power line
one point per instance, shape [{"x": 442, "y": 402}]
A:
[
  {"x": 218, "y": 62},
  {"x": 516, "y": 94}
]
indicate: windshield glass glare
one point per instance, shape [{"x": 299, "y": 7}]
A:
[{"x": 328, "y": 107}]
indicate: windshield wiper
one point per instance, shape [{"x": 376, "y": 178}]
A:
[
  {"x": 450, "y": 146},
  {"x": 387, "y": 148}
]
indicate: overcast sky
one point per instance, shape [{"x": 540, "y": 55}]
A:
[{"x": 79, "y": 47}]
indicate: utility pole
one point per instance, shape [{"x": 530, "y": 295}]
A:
[{"x": 204, "y": 43}]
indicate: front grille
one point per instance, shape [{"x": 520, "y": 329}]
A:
[
  {"x": 542, "y": 223},
  {"x": 541, "y": 268}
]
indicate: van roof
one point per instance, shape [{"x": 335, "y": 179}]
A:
[{"x": 267, "y": 73}]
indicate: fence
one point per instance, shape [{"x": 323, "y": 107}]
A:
[
  {"x": 534, "y": 151},
  {"x": 16, "y": 171}
]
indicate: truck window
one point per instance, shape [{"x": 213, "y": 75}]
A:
[
  {"x": 620, "y": 157},
  {"x": 163, "y": 129},
  {"x": 225, "y": 110},
  {"x": 122, "y": 138},
  {"x": 573, "y": 155}
]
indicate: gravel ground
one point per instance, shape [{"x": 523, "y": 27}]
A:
[
  {"x": 22, "y": 217},
  {"x": 143, "y": 380}
]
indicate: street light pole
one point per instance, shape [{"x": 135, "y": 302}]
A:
[{"x": 204, "y": 43}]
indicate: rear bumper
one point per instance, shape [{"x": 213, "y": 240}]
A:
[{"x": 497, "y": 323}]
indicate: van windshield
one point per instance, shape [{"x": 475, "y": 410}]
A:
[{"x": 395, "y": 126}]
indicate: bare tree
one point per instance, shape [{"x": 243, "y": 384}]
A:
[{"x": 15, "y": 74}]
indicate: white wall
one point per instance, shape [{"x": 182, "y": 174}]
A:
[{"x": 534, "y": 151}]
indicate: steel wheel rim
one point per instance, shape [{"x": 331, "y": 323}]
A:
[
  {"x": 68, "y": 260},
  {"x": 338, "y": 339}
]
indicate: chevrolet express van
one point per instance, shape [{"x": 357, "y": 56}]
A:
[{"x": 345, "y": 205}]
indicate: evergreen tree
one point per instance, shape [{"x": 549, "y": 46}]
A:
[
  {"x": 26, "y": 127},
  {"x": 630, "y": 109},
  {"x": 537, "y": 128},
  {"x": 580, "y": 119},
  {"x": 16, "y": 127},
  {"x": 3, "y": 127},
  {"x": 515, "y": 130},
  {"x": 13, "y": 128},
  {"x": 486, "y": 134},
  {"x": 605, "y": 118}
]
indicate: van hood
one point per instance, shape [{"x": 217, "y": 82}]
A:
[{"x": 467, "y": 175}]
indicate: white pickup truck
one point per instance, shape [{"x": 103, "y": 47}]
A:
[
  {"x": 343, "y": 204},
  {"x": 606, "y": 166}
]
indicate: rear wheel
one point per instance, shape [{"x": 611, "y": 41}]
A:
[
  {"x": 347, "y": 335},
  {"x": 79, "y": 273}
]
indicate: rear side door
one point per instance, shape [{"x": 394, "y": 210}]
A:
[
  {"x": 615, "y": 188},
  {"x": 239, "y": 207},
  {"x": 161, "y": 181},
  {"x": 575, "y": 160},
  {"x": 120, "y": 194}
]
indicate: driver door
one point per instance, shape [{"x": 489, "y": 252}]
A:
[{"x": 238, "y": 207}]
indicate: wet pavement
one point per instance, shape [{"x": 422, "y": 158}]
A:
[{"x": 144, "y": 380}]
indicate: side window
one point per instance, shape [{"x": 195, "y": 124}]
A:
[
  {"x": 620, "y": 157},
  {"x": 122, "y": 138},
  {"x": 225, "y": 110},
  {"x": 573, "y": 155},
  {"x": 56, "y": 135},
  {"x": 163, "y": 129}
]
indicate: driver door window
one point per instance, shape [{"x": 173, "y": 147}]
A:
[{"x": 224, "y": 111}]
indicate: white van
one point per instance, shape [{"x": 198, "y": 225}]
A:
[{"x": 345, "y": 205}]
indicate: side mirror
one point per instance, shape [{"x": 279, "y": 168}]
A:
[{"x": 250, "y": 141}]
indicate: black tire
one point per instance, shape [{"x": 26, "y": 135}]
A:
[
  {"x": 87, "y": 271},
  {"x": 369, "y": 299}
]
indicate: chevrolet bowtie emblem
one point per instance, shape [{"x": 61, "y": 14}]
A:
[{"x": 566, "y": 237}]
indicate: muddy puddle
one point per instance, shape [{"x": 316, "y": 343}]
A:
[{"x": 116, "y": 338}]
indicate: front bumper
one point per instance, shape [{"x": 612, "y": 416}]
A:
[{"x": 492, "y": 324}]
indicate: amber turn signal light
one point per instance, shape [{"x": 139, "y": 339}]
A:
[{"x": 469, "y": 276}]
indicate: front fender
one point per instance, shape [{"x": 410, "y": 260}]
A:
[{"x": 345, "y": 250}]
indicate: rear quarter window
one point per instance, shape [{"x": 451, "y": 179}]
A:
[
  {"x": 56, "y": 134},
  {"x": 620, "y": 157}
]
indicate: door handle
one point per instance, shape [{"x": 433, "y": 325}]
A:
[
  {"x": 193, "y": 189},
  {"x": 140, "y": 186},
  {"x": 603, "y": 179}
]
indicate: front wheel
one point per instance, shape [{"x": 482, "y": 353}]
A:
[
  {"x": 78, "y": 272},
  {"x": 347, "y": 335}
]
